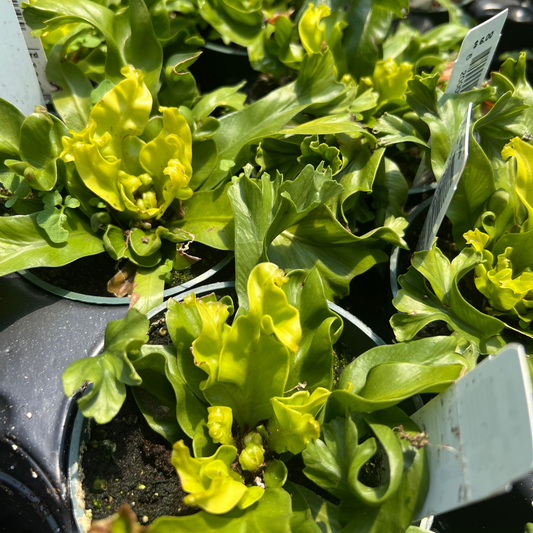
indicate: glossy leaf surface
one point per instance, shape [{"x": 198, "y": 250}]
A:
[
  {"x": 236, "y": 359},
  {"x": 336, "y": 463},
  {"x": 386, "y": 375},
  {"x": 211, "y": 483},
  {"x": 26, "y": 245},
  {"x": 273, "y": 513},
  {"x": 315, "y": 84}
]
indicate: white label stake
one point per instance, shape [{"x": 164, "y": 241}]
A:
[
  {"x": 453, "y": 169},
  {"x": 480, "y": 433}
]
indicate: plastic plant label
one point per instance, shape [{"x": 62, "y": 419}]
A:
[
  {"x": 470, "y": 67},
  {"x": 35, "y": 49},
  {"x": 477, "y": 50},
  {"x": 480, "y": 433},
  {"x": 453, "y": 169},
  {"x": 19, "y": 84}
]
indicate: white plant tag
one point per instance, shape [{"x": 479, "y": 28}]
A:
[
  {"x": 453, "y": 169},
  {"x": 480, "y": 432},
  {"x": 18, "y": 81},
  {"x": 475, "y": 56},
  {"x": 472, "y": 64},
  {"x": 35, "y": 49}
]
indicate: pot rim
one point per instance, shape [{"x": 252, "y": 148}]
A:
[
  {"x": 109, "y": 300},
  {"x": 421, "y": 9},
  {"x": 79, "y": 432}
]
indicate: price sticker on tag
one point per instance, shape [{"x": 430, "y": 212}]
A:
[
  {"x": 36, "y": 52},
  {"x": 477, "y": 50},
  {"x": 453, "y": 169}
]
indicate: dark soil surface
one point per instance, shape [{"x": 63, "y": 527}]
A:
[
  {"x": 4, "y": 211},
  {"x": 89, "y": 275},
  {"x": 126, "y": 462},
  {"x": 158, "y": 332},
  {"x": 342, "y": 357}
]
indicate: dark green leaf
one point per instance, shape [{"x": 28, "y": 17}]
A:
[
  {"x": 110, "y": 371},
  {"x": 11, "y": 119},
  {"x": 208, "y": 217},
  {"x": 167, "y": 401},
  {"x": 52, "y": 221},
  {"x": 390, "y": 192},
  {"x": 396, "y": 131},
  {"x": 324, "y": 513},
  {"x": 313, "y": 362},
  {"x": 314, "y": 152},
  {"x": 397, "y": 512},
  {"x": 149, "y": 286},
  {"x": 316, "y": 84},
  {"x": 252, "y": 202},
  {"x": 281, "y": 155},
  {"x": 335, "y": 462},
  {"x": 184, "y": 326},
  {"x": 386, "y": 375},
  {"x": 443, "y": 113},
  {"x": 331, "y": 124},
  {"x": 240, "y": 22},
  {"x": 40, "y": 146},
  {"x": 368, "y": 25},
  {"x": 320, "y": 241},
  {"x": 359, "y": 175},
  {"x": 116, "y": 243},
  {"x": 142, "y": 48},
  {"x": 421, "y": 306},
  {"x": 219, "y": 98},
  {"x": 72, "y": 99}
]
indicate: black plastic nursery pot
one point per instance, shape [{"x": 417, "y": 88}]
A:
[
  {"x": 516, "y": 33},
  {"x": 41, "y": 335},
  {"x": 43, "y": 329},
  {"x": 77, "y": 433},
  {"x": 426, "y": 14}
]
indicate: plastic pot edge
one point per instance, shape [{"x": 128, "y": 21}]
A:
[
  {"x": 108, "y": 300},
  {"x": 421, "y": 8}
]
